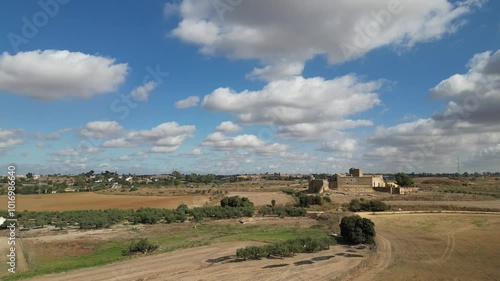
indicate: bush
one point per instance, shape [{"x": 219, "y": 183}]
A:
[
  {"x": 235, "y": 201},
  {"x": 285, "y": 248},
  {"x": 142, "y": 246},
  {"x": 357, "y": 205},
  {"x": 357, "y": 230},
  {"x": 306, "y": 200}
]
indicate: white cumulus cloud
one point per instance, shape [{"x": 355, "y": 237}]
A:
[
  {"x": 188, "y": 102},
  {"x": 10, "y": 138},
  {"x": 101, "y": 129},
  {"x": 302, "y": 109},
  {"x": 164, "y": 138},
  {"x": 468, "y": 125},
  {"x": 228, "y": 127},
  {"x": 285, "y": 34},
  {"x": 141, "y": 93},
  {"x": 55, "y": 74}
]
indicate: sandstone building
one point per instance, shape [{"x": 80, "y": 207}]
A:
[{"x": 356, "y": 178}]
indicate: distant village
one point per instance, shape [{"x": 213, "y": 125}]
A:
[{"x": 355, "y": 178}]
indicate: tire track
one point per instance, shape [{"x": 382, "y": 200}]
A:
[{"x": 384, "y": 258}]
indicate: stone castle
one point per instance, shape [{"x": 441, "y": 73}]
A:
[{"x": 355, "y": 179}]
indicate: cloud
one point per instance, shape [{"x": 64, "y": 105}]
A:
[
  {"x": 55, "y": 74},
  {"x": 302, "y": 109},
  {"x": 346, "y": 145},
  {"x": 285, "y": 34},
  {"x": 53, "y": 136},
  {"x": 164, "y": 138},
  {"x": 10, "y": 138},
  {"x": 67, "y": 152},
  {"x": 468, "y": 125},
  {"x": 101, "y": 129},
  {"x": 141, "y": 93},
  {"x": 228, "y": 127},
  {"x": 196, "y": 151},
  {"x": 188, "y": 102},
  {"x": 474, "y": 95},
  {"x": 251, "y": 143},
  {"x": 125, "y": 158}
]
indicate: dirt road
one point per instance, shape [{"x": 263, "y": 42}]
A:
[{"x": 199, "y": 264}]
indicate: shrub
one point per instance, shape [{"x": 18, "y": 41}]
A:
[
  {"x": 357, "y": 230},
  {"x": 357, "y": 205},
  {"x": 306, "y": 200},
  {"x": 142, "y": 246},
  {"x": 235, "y": 201},
  {"x": 286, "y": 248}
]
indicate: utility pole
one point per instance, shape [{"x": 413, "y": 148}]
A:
[{"x": 458, "y": 167}]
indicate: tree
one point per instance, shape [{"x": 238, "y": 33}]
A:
[
  {"x": 176, "y": 174},
  {"x": 29, "y": 175},
  {"x": 357, "y": 230},
  {"x": 403, "y": 180}
]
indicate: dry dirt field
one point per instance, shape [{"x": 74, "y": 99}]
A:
[
  {"x": 436, "y": 247},
  {"x": 89, "y": 200},
  {"x": 199, "y": 264},
  {"x": 264, "y": 198},
  {"x": 495, "y": 204}
]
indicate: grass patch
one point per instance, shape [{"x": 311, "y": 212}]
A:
[{"x": 106, "y": 253}]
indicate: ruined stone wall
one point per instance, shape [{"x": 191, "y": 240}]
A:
[{"x": 317, "y": 186}]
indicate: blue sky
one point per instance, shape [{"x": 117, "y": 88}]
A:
[{"x": 249, "y": 86}]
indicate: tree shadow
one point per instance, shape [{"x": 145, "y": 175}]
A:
[
  {"x": 220, "y": 259},
  {"x": 304, "y": 262},
  {"x": 322, "y": 258},
  {"x": 275, "y": 265}
]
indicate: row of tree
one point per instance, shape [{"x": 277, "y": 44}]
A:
[
  {"x": 287, "y": 248},
  {"x": 230, "y": 207},
  {"x": 282, "y": 212},
  {"x": 357, "y": 205}
]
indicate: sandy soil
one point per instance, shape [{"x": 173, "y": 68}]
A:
[
  {"x": 88, "y": 200},
  {"x": 200, "y": 264},
  {"x": 435, "y": 247}
]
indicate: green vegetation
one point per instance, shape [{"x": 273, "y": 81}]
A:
[
  {"x": 304, "y": 200},
  {"x": 103, "y": 254},
  {"x": 142, "y": 246},
  {"x": 357, "y": 230},
  {"x": 95, "y": 219},
  {"x": 357, "y": 205},
  {"x": 286, "y": 248},
  {"x": 282, "y": 211},
  {"x": 236, "y": 201},
  {"x": 403, "y": 180}
]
